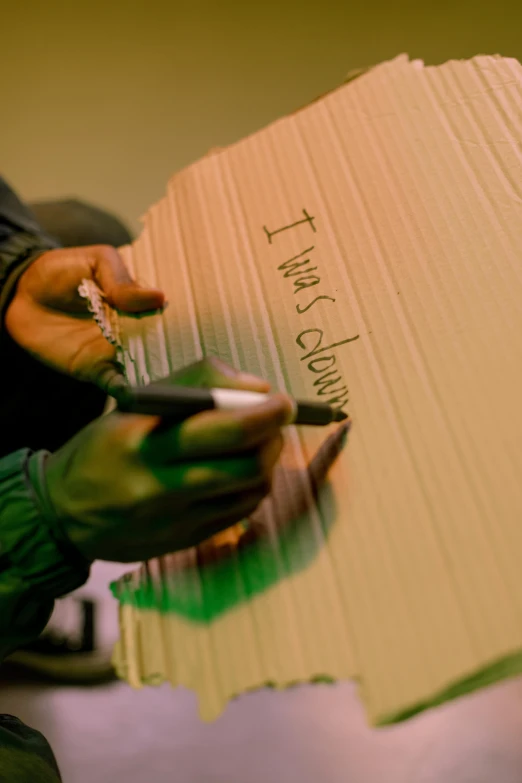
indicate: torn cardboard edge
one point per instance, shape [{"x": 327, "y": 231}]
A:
[{"x": 105, "y": 316}]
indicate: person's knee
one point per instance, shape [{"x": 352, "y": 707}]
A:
[{"x": 75, "y": 223}]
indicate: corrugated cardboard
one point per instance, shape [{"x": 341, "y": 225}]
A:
[{"x": 366, "y": 250}]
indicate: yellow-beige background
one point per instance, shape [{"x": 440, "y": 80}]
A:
[{"x": 106, "y": 100}]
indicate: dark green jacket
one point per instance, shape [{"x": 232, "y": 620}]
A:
[{"x": 37, "y": 564}]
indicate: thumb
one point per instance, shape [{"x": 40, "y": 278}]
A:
[
  {"x": 121, "y": 291},
  {"x": 110, "y": 379}
]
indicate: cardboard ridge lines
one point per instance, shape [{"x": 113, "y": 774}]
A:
[{"x": 365, "y": 251}]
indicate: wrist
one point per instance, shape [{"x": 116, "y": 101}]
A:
[
  {"x": 48, "y": 472},
  {"x": 24, "y": 250}
]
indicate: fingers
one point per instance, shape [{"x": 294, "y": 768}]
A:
[
  {"x": 110, "y": 379},
  {"x": 218, "y": 432},
  {"x": 206, "y": 479},
  {"x": 232, "y": 514},
  {"x": 226, "y": 512},
  {"x": 121, "y": 290}
]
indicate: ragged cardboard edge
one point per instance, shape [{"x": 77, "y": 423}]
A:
[
  {"x": 352, "y": 75},
  {"x": 355, "y": 74},
  {"x": 133, "y": 620},
  {"x": 108, "y": 319},
  {"x": 104, "y": 315}
]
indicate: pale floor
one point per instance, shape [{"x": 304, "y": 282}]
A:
[{"x": 313, "y": 734}]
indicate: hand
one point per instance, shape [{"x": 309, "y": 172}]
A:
[
  {"x": 125, "y": 490},
  {"x": 50, "y": 320}
]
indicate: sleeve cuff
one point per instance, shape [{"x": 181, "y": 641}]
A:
[{"x": 48, "y": 564}]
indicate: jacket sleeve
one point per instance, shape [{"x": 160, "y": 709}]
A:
[
  {"x": 37, "y": 563},
  {"x": 21, "y": 242}
]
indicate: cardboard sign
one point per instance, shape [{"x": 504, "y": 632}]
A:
[{"x": 366, "y": 251}]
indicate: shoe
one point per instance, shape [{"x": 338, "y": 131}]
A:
[{"x": 66, "y": 651}]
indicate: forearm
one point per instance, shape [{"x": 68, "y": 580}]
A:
[{"x": 37, "y": 564}]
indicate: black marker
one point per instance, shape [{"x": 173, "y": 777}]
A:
[{"x": 180, "y": 402}]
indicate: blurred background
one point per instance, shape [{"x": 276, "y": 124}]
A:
[{"x": 105, "y": 101}]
